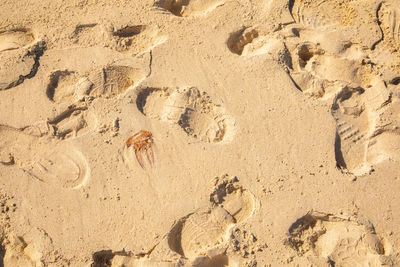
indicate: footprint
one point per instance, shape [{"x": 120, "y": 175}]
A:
[
  {"x": 62, "y": 166},
  {"x": 199, "y": 239},
  {"x": 111, "y": 81},
  {"x": 385, "y": 141},
  {"x": 198, "y": 234},
  {"x": 354, "y": 19},
  {"x": 203, "y": 236},
  {"x": 361, "y": 124},
  {"x": 189, "y": 8},
  {"x": 47, "y": 160},
  {"x": 389, "y": 18},
  {"x": 319, "y": 14},
  {"x": 16, "y": 146},
  {"x": 192, "y": 110},
  {"x": 135, "y": 39},
  {"x": 74, "y": 122},
  {"x": 356, "y": 97},
  {"x": 108, "y": 82},
  {"x": 239, "y": 40},
  {"x": 353, "y": 128},
  {"x": 341, "y": 241},
  {"x": 19, "y": 63},
  {"x": 90, "y": 34},
  {"x": 235, "y": 199},
  {"x": 14, "y": 39},
  {"x": 64, "y": 87},
  {"x": 321, "y": 75}
]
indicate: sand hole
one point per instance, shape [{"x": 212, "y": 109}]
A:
[
  {"x": 395, "y": 81},
  {"x": 305, "y": 53},
  {"x": 238, "y": 40},
  {"x": 61, "y": 86}
]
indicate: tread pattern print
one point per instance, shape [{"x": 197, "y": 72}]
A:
[
  {"x": 352, "y": 128},
  {"x": 357, "y": 99},
  {"x": 321, "y": 14},
  {"x": 203, "y": 231},
  {"x": 341, "y": 241},
  {"x": 204, "y": 234},
  {"x": 112, "y": 81},
  {"x": 189, "y": 8},
  {"x": 192, "y": 110},
  {"x": 389, "y": 16}
]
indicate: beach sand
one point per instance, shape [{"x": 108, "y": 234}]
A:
[{"x": 200, "y": 133}]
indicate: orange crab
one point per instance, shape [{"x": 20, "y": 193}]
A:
[{"x": 142, "y": 142}]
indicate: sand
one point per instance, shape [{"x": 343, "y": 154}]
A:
[{"x": 200, "y": 133}]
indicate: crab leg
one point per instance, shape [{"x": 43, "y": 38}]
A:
[
  {"x": 150, "y": 155},
  {"x": 139, "y": 158}
]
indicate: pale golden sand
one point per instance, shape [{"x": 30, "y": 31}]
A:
[{"x": 275, "y": 131}]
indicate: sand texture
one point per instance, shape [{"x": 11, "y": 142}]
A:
[{"x": 177, "y": 133}]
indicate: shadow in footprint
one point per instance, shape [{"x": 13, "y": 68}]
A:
[
  {"x": 239, "y": 39},
  {"x": 102, "y": 258},
  {"x": 57, "y": 79},
  {"x": 340, "y": 163},
  {"x": 142, "y": 98},
  {"x": 129, "y": 31},
  {"x": 174, "y": 236},
  {"x": 2, "y": 253},
  {"x": 175, "y": 7}
]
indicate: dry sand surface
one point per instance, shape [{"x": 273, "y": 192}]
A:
[{"x": 200, "y": 133}]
